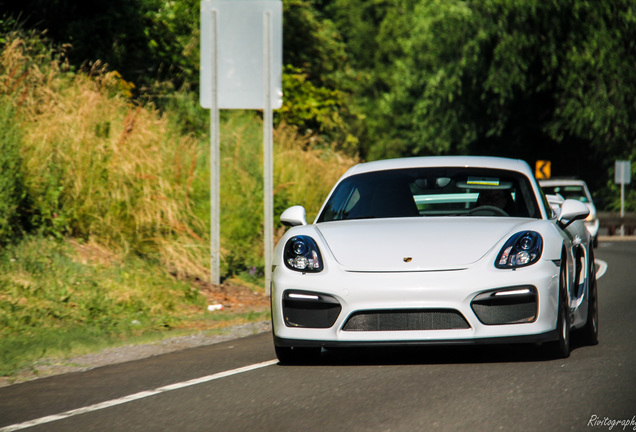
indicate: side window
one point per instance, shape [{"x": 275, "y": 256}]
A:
[
  {"x": 343, "y": 200},
  {"x": 546, "y": 205},
  {"x": 354, "y": 198}
]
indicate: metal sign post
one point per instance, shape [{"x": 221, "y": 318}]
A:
[
  {"x": 622, "y": 177},
  {"x": 268, "y": 152},
  {"x": 215, "y": 159},
  {"x": 233, "y": 34}
]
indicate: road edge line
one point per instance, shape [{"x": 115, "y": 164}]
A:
[{"x": 134, "y": 397}]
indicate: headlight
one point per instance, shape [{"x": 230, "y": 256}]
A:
[
  {"x": 522, "y": 249},
  {"x": 302, "y": 254}
]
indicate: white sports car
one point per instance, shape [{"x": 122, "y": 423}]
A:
[{"x": 433, "y": 250}]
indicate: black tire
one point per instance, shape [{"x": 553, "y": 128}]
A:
[
  {"x": 589, "y": 333},
  {"x": 561, "y": 348},
  {"x": 297, "y": 356}
]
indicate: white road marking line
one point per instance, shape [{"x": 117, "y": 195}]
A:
[
  {"x": 602, "y": 268},
  {"x": 134, "y": 397}
]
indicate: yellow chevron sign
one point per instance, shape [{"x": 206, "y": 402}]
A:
[{"x": 542, "y": 169}]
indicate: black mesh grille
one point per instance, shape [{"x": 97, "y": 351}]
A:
[
  {"x": 403, "y": 320},
  {"x": 491, "y": 313}
]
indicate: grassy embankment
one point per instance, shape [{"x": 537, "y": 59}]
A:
[{"x": 104, "y": 221}]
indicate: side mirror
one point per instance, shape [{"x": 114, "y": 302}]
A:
[
  {"x": 572, "y": 210},
  {"x": 294, "y": 216},
  {"x": 555, "y": 202}
]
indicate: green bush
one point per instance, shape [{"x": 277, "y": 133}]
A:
[{"x": 14, "y": 208}]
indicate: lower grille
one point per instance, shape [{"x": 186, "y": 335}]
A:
[{"x": 405, "y": 320}]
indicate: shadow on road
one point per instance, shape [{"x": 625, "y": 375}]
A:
[{"x": 503, "y": 353}]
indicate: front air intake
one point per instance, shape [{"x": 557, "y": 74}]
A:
[
  {"x": 309, "y": 309},
  {"x": 515, "y": 305},
  {"x": 406, "y": 320}
]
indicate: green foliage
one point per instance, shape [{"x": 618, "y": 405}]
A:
[
  {"x": 96, "y": 166},
  {"x": 187, "y": 115},
  {"x": 316, "y": 77},
  {"x": 109, "y": 31},
  {"x": 100, "y": 168},
  {"x": 65, "y": 298},
  {"x": 172, "y": 35},
  {"x": 597, "y": 101},
  {"x": 8, "y": 24},
  {"x": 315, "y": 110},
  {"x": 14, "y": 206},
  {"x": 312, "y": 44},
  {"x": 241, "y": 193},
  {"x": 145, "y": 40},
  {"x": 533, "y": 80}
]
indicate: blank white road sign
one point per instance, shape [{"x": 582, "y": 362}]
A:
[
  {"x": 623, "y": 173},
  {"x": 239, "y": 44}
]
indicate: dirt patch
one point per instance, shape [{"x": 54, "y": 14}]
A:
[
  {"x": 233, "y": 294},
  {"x": 235, "y": 297}
]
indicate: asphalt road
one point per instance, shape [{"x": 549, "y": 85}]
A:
[{"x": 507, "y": 388}]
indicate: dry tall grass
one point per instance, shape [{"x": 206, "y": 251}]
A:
[
  {"x": 107, "y": 169},
  {"x": 103, "y": 169}
]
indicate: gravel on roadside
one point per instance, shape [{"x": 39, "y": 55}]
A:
[{"x": 49, "y": 367}]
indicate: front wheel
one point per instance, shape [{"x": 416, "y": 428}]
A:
[
  {"x": 561, "y": 348},
  {"x": 590, "y": 331}
]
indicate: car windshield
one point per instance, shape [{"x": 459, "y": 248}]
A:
[
  {"x": 576, "y": 192},
  {"x": 419, "y": 192}
]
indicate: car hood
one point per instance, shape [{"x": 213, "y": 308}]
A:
[{"x": 414, "y": 244}]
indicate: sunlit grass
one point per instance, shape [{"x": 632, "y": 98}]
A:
[
  {"x": 116, "y": 208},
  {"x": 57, "y": 300}
]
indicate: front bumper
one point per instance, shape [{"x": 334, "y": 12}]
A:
[
  {"x": 407, "y": 308},
  {"x": 536, "y": 338}
]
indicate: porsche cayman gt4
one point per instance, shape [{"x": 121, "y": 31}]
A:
[{"x": 433, "y": 250}]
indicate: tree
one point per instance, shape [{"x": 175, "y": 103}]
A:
[
  {"x": 316, "y": 76},
  {"x": 111, "y": 31},
  {"x": 172, "y": 32},
  {"x": 529, "y": 79}
]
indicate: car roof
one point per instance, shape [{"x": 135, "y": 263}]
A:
[
  {"x": 442, "y": 161},
  {"x": 561, "y": 182}
]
